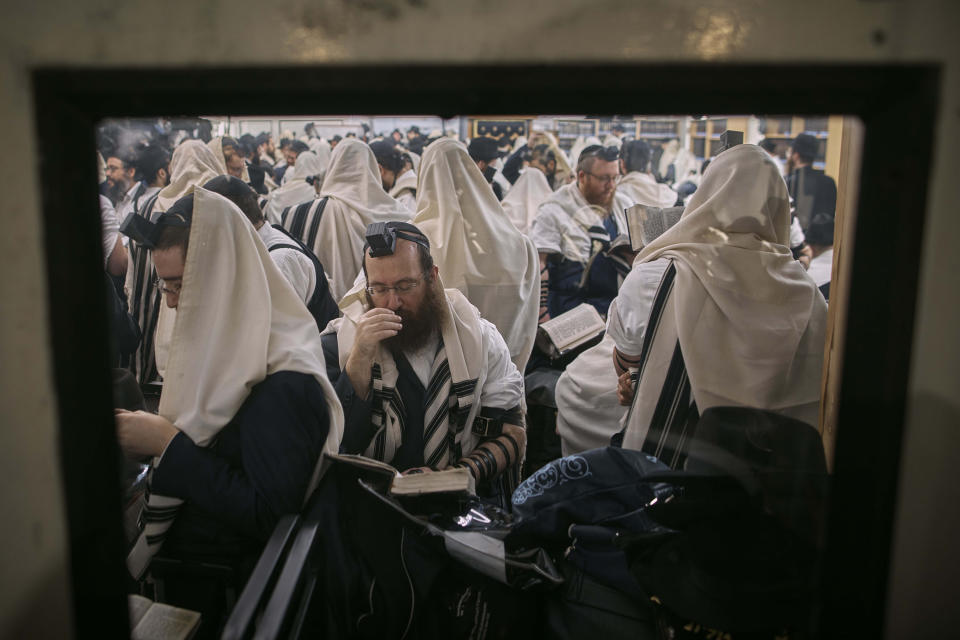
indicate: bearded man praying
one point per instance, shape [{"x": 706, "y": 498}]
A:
[
  {"x": 425, "y": 382},
  {"x": 573, "y": 231}
]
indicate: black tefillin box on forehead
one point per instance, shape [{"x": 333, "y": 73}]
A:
[{"x": 730, "y": 138}]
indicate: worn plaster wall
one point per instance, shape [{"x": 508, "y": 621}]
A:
[{"x": 33, "y": 597}]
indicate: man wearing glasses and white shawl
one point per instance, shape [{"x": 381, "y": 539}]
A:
[
  {"x": 425, "y": 382},
  {"x": 573, "y": 231}
]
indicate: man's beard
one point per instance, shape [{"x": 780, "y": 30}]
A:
[
  {"x": 116, "y": 191},
  {"x": 606, "y": 204},
  {"x": 420, "y": 324}
]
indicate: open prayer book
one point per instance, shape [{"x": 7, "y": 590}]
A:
[
  {"x": 570, "y": 330},
  {"x": 457, "y": 480},
  {"x": 646, "y": 223},
  {"x": 151, "y": 620}
]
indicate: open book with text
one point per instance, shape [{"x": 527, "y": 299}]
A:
[
  {"x": 646, "y": 223},
  {"x": 151, "y": 620},
  {"x": 390, "y": 480},
  {"x": 570, "y": 330}
]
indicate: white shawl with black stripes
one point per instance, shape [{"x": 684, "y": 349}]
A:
[{"x": 453, "y": 391}]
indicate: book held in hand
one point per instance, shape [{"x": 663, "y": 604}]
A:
[
  {"x": 385, "y": 478},
  {"x": 645, "y": 223},
  {"x": 570, "y": 331}
]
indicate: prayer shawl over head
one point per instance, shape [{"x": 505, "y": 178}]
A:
[
  {"x": 746, "y": 318},
  {"x": 216, "y": 146},
  {"x": 475, "y": 246},
  {"x": 297, "y": 189},
  {"x": 322, "y": 148},
  {"x": 192, "y": 165},
  {"x": 643, "y": 188},
  {"x": 457, "y": 377},
  {"x": 414, "y": 157},
  {"x": 352, "y": 197},
  {"x": 522, "y": 201},
  {"x": 669, "y": 154},
  {"x": 238, "y": 321},
  {"x": 406, "y": 181}
]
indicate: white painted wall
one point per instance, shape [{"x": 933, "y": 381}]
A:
[{"x": 33, "y": 596}]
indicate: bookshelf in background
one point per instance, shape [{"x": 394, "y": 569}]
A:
[{"x": 569, "y": 129}]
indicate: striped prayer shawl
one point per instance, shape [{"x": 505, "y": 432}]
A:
[
  {"x": 303, "y": 220},
  {"x": 663, "y": 415},
  {"x": 448, "y": 405},
  {"x": 145, "y": 300},
  {"x": 452, "y": 396},
  {"x": 157, "y": 513}
]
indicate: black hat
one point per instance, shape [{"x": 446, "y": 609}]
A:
[
  {"x": 483, "y": 149},
  {"x": 387, "y": 155},
  {"x": 806, "y": 145}
]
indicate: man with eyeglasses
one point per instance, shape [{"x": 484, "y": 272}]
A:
[
  {"x": 573, "y": 232},
  {"x": 425, "y": 382}
]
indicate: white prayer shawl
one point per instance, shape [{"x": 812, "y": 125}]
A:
[
  {"x": 575, "y": 216},
  {"x": 296, "y": 190},
  {"x": 684, "y": 165},
  {"x": 404, "y": 190},
  {"x": 237, "y": 322},
  {"x": 414, "y": 158},
  {"x": 216, "y": 146},
  {"x": 588, "y": 411},
  {"x": 476, "y": 247},
  {"x": 612, "y": 141},
  {"x": 323, "y": 150},
  {"x": 192, "y": 165},
  {"x": 748, "y": 319},
  {"x": 356, "y": 199},
  {"x": 521, "y": 204},
  {"x": 669, "y": 154},
  {"x": 643, "y": 188},
  {"x": 467, "y": 357},
  {"x": 354, "y": 180}
]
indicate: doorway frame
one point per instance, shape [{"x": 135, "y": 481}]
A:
[{"x": 897, "y": 105}]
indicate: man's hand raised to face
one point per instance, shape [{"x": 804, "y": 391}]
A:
[{"x": 373, "y": 327}]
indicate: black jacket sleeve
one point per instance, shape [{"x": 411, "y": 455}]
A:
[
  {"x": 262, "y": 462},
  {"x": 358, "y": 429}
]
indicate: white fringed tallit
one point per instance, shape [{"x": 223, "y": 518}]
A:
[
  {"x": 522, "y": 201},
  {"x": 476, "y": 247},
  {"x": 643, "y": 188},
  {"x": 458, "y": 375},
  {"x": 297, "y": 189},
  {"x": 355, "y": 199},
  {"x": 237, "y": 322},
  {"x": 216, "y": 146},
  {"x": 748, "y": 319}
]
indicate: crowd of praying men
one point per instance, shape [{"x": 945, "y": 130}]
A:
[{"x": 381, "y": 295}]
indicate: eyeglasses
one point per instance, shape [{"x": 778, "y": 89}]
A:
[
  {"x": 602, "y": 179},
  {"x": 403, "y": 287},
  {"x": 161, "y": 284}
]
